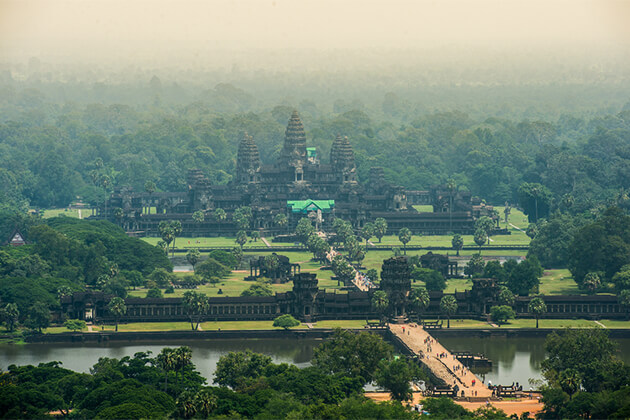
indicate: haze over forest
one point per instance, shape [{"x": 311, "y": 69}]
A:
[
  {"x": 287, "y": 52},
  {"x": 484, "y": 92}
]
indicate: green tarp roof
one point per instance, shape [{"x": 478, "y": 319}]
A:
[{"x": 304, "y": 206}]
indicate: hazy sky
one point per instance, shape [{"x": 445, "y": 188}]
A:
[{"x": 92, "y": 27}]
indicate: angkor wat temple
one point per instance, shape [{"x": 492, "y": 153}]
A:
[
  {"x": 307, "y": 302},
  {"x": 298, "y": 174}
]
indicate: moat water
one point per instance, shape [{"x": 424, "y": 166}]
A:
[{"x": 514, "y": 359}]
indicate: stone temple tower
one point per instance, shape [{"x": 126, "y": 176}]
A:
[
  {"x": 294, "y": 150},
  {"x": 396, "y": 282},
  {"x": 247, "y": 161},
  {"x": 342, "y": 159}
]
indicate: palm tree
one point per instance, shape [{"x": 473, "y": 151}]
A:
[
  {"x": 219, "y": 215},
  {"x": 196, "y": 306},
  {"x": 280, "y": 220},
  {"x": 118, "y": 214},
  {"x": 419, "y": 299},
  {"x": 570, "y": 381},
  {"x": 404, "y": 236},
  {"x": 480, "y": 238},
  {"x": 182, "y": 357},
  {"x": 448, "y": 305},
  {"x": 380, "y": 302},
  {"x": 117, "y": 308},
  {"x": 450, "y": 184},
  {"x": 241, "y": 238},
  {"x": 537, "y": 307},
  {"x": 198, "y": 217},
  {"x": 366, "y": 233},
  {"x": 380, "y": 228},
  {"x": 457, "y": 242},
  {"x": 204, "y": 403},
  {"x": 149, "y": 187},
  {"x": 166, "y": 361},
  {"x": 176, "y": 227},
  {"x": 166, "y": 232},
  {"x": 193, "y": 256}
]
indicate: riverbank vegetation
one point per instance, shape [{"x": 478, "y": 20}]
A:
[{"x": 248, "y": 385}]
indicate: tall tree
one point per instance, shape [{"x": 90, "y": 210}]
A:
[
  {"x": 486, "y": 224},
  {"x": 448, "y": 306},
  {"x": 150, "y": 188},
  {"x": 196, "y": 307},
  {"x": 457, "y": 242},
  {"x": 219, "y": 215},
  {"x": 480, "y": 238},
  {"x": 166, "y": 361},
  {"x": 193, "y": 256},
  {"x": 404, "y": 236},
  {"x": 419, "y": 299},
  {"x": 280, "y": 220},
  {"x": 176, "y": 228},
  {"x": 241, "y": 238},
  {"x": 117, "y": 308},
  {"x": 198, "y": 217},
  {"x": 451, "y": 186},
  {"x": 367, "y": 232},
  {"x": 243, "y": 217},
  {"x": 380, "y": 228},
  {"x": 166, "y": 232},
  {"x": 535, "y": 200},
  {"x": 10, "y": 315},
  {"x": 396, "y": 376},
  {"x": 380, "y": 303},
  {"x": 537, "y": 308}
]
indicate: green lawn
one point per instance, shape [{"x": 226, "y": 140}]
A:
[
  {"x": 550, "y": 323},
  {"x": 219, "y": 241},
  {"x": 425, "y": 208},
  {"x": 463, "y": 323},
  {"x": 349, "y": 323},
  {"x": 147, "y": 326},
  {"x": 558, "y": 282},
  {"x": 516, "y": 217},
  {"x": 610, "y": 323},
  {"x": 57, "y": 330},
  {"x": 65, "y": 212},
  {"x": 515, "y": 238},
  {"x": 242, "y": 325}
]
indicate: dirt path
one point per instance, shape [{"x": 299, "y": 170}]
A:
[
  {"x": 517, "y": 407},
  {"x": 265, "y": 242},
  {"x": 447, "y": 368}
]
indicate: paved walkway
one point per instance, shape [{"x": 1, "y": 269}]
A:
[
  {"x": 516, "y": 227},
  {"x": 357, "y": 280},
  {"x": 429, "y": 349},
  {"x": 265, "y": 242}
]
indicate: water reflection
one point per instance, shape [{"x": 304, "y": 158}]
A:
[
  {"x": 205, "y": 353},
  {"x": 514, "y": 359}
]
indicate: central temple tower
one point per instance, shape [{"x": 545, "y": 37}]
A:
[{"x": 294, "y": 150}]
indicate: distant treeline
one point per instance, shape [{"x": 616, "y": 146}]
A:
[{"x": 52, "y": 153}]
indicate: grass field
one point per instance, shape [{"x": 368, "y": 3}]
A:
[
  {"x": 463, "y": 323},
  {"x": 219, "y": 241},
  {"x": 65, "y": 212},
  {"x": 516, "y": 217},
  {"x": 349, "y": 324},
  {"x": 550, "y": 323},
  {"x": 558, "y": 282},
  {"x": 609, "y": 323}
]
